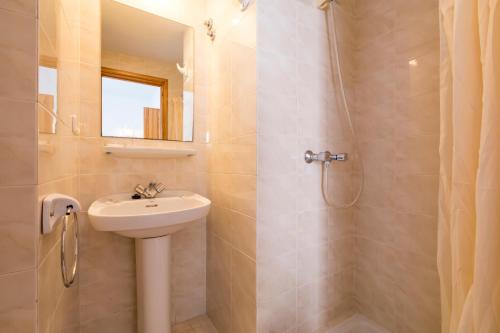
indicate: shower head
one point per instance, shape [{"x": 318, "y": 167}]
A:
[{"x": 323, "y": 4}]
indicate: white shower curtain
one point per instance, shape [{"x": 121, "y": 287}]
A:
[{"x": 469, "y": 202}]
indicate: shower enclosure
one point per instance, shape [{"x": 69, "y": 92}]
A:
[{"x": 319, "y": 265}]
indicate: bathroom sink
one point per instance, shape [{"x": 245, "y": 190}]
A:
[
  {"x": 151, "y": 222},
  {"x": 147, "y": 218}
]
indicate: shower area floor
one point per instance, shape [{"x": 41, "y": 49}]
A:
[
  {"x": 201, "y": 324},
  {"x": 357, "y": 324}
]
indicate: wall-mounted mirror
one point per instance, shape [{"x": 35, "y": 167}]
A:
[
  {"x": 49, "y": 21},
  {"x": 147, "y": 75}
]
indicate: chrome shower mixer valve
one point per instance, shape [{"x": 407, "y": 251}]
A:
[{"x": 324, "y": 156}]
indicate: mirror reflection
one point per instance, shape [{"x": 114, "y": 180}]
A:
[
  {"x": 147, "y": 76},
  {"x": 49, "y": 20}
]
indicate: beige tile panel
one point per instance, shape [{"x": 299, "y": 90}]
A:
[
  {"x": 273, "y": 108},
  {"x": 243, "y": 157},
  {"x": 66, "y": 317},
  {"x": 278, "y": 314},
  {"x": 313, "y": 299},
  {"x": 416, "y": 194},
  {"x": 17, "y": 304},
  {"x": 417, "y": 115},
  {"x": 17, "y": 230},
  {"x": 18, "y": 56},
  {"x": 274, "y": 20},
  {"x": 102, "y": 295},
  {"x": 90, "y": 46},
  {"x": 340, "y": 255},
  {"x": 90, "y": 18},
  {"x": 276, "y": 236},
  {"x": 378, "y": 22},
  {"x": 243, "y": 293},
  {"x": 312, "y": 228},
  {"x": 63, "y": 162},
  {"x": 189, "y": 272},
  {"x": 18, "y": 147},
  {"x": 18, "y": 122},
  {"x": 90, "y": 119},
  {"x": 277, "y": 154},
  {"x": 369, "y": 8},
  {"x": 277, "y": 194},
  {"x": 28, "y": 7},
  {"x": 243, "y": 194},
  {"x": 200, "y": 324},
  {"x": 219, "y": 283},
  {"x": 243, "y": 234},
  {"x": 416, "y": 233},
  {"x": 50, "y": 289},
  {"x": 340, "y": 224},
  {"x": 121, "y": 322}
]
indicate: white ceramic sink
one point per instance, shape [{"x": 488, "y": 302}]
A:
[
  {"x": 151, "y": 222},
  {"x": 145, "y": 218}
]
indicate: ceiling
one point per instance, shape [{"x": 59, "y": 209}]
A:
[{"x": 135, "y": 32}]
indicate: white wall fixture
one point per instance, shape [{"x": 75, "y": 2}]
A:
[
  {"x": 75, "y": 126},
  {"x": 245, "y": 4},
  {"x": 147, "y": 152},
  {"x": 185, "y": 71},
  {"x": 210, "y": 28},
  {"x": 59, "y": 208},
  {"x": 54, "y": 207}
]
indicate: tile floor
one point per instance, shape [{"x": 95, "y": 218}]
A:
[{"x": 201, "y": 324}]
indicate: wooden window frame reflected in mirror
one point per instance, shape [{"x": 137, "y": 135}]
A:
[
  {"x": 145, "y": 79},
  {"x": 47, "y": 61},
  {"x": 44, "y": 104}
]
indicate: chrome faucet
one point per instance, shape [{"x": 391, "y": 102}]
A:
[{"x": 151, "y": 191}]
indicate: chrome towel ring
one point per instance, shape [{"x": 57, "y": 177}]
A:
[{"x": 69, "y": 277}]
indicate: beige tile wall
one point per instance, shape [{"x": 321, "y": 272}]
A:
[
  {"x": 18, "y": 165},
  {"x": 305, "y": 250},
  {"x": 107, "y": 284},
  {"x": 231, "y": 260},
  {"x": 58, "y": 170},
  {"x": 397, "y": 116}
]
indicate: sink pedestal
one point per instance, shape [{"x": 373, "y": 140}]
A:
[
  {"x": 149, "y": 221},
  {"x": 153, "y": 284}
]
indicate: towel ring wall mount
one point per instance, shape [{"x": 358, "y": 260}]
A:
[{"x": 56, "y": 208}]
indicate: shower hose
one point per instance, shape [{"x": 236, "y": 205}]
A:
[{"x": 335, "y": 63}]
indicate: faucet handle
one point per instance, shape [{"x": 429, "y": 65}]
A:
[
  {"x": 140, "y": 189},
  {"x": 159, "y": 187}
]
